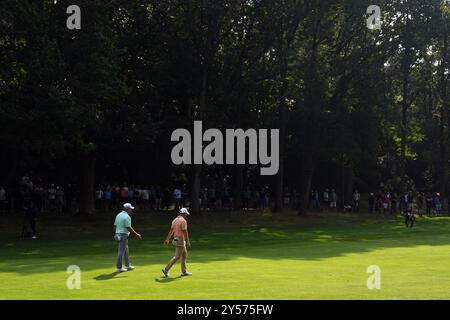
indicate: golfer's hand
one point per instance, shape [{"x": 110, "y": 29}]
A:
[
  {"x": 166, "y": 243},
  {"x": 188, "y": 244},
  {"x": 139, "y": 236}
]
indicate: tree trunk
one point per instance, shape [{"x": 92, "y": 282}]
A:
[
  {"x": 348, "y": 174},
  {"x": 280, "y": 174},
  {"x": 443, "y": 169},
  {"x": 444, "y": 131},
  {"x": 238, "y": 186},
  {"x": 87, "y": 184},
  {"x": 305, "y": 187},
  {"x": 195, "y": 189},
  {"x": 403, "y": 133},
  {"x": 284, "y": 43},
  {"x": 197, "y": 168},
  {"x": 279, "y": 187},
  {"x": 343, "y": 193}
]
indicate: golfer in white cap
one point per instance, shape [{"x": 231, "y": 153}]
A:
[
  {"x": 123, "y": 229},
  {"x": 180, "y": 240}
]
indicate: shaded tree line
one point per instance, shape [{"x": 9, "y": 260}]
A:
[{"x": 355, "y": 107}]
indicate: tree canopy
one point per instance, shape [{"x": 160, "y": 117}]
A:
[{"x": 356, "y": 107}]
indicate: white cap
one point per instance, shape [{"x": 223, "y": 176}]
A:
[
  {"x": 185, "y": 211},
  {"x": 128, "y": 206}
]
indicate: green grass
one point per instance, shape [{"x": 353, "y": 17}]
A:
[{"x": 233, "y": 256}]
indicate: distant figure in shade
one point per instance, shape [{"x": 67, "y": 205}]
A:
[
  {"x": 429, "y": 203},
  {"x": 438, "y": 204},
  {"x": 394, "y": 204},
  {"x": 333, "y": 200},
  {"x": 356, "y": 199},
  {"x": 409, "y": 219},
  {"x": 371, "y": 202},
  {"x": 31, "y": 211},
  {"x": 326, "y": 200}
]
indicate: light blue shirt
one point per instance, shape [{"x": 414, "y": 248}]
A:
[{"x": 123, "y": 221}]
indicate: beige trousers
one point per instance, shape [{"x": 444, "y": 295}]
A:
[{"x": 180, "y": 253}]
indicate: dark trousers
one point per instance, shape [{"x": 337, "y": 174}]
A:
[
  {"x": 123, "y": 253},
  {"x": 28, "y": 222},
  {"x": 356, "y": 205},
  {"x": 409, "y": 221},
  {"x": 371, "y": 206}
]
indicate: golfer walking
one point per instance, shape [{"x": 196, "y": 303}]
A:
[
  {"x": 123, "y": 229},
  {"x": 180, "y": 240}
]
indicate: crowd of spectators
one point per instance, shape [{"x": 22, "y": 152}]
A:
[{"x": 65, "y": 198}]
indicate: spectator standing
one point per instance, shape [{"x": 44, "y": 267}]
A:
[
  {"x": 124, "y": 193},
  {"x": 177, "y": 196},
  {"x": 202, "y": 199},
  {"x": 385, "y": 200},
  {"x": 107, "y": 197},
  {"x": 2, "y": 200},
  {"x": 158, "y": 198},
  {"x": 262, "y": 198},
  {"x": 404, "y": 202},
  {"x": 333, "y": 200},
  {"x": 211, "y": 197},
  {"x": 378, "y": 202},
  {"x": 247, "y": 198},
  {"x": 51, "y": 194},
  {"x": 410, "y": 201},
  {"x": 184, "y": 196},
  {"x": 267, "y": 197},
  {"x": 356, "y": 200},
  {"x": 131, "y": 192},
  {"x": 286, "y": 198},
  {"x": 316, "y": 199},
  {"x": 394, "y": 204},
  {"x": 371, "y": 202},
  {"x": 30, "y": 218},
  {"x": 294, "y": 198},
  {"x": 420, "y": 203},
  {"x": 166, "y": 198},
  {"x": 326, "y": 199},
  {"x": 226, "y": 198},
  {"x": 59, "y": 199},
  {"x": 429, "y": 202},
  {"x": 438, "y": 204},
  {"x": 145, "y": 197},
  {"x": 218, "y": 196},
  {"x": 115, "y": 195},
  {"x": 311, "y": 199},
  {"x": 151, "y": 197},
  {"x": 98, "y": 198},
  {"x": 137, "y": 195}
]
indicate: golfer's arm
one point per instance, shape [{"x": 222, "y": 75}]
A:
[
  {"x": 132, "y": 231},
  {"x": 186, "y": 236},
  {"x": 169, "y": 235}
]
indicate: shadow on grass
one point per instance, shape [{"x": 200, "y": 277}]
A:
[
  {"x": 107, "y": 276},
  {"x": 306, "y": 238},
  {"x": 167, "y": 280}
]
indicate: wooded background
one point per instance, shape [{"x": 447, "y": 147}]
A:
[{"x": 356, "y": 108}]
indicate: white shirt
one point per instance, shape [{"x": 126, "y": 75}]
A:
[
  {"x": 99, "y": 194},
  {"x": 51, "y": 193},
  {"x": 144, "y": 194}
]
